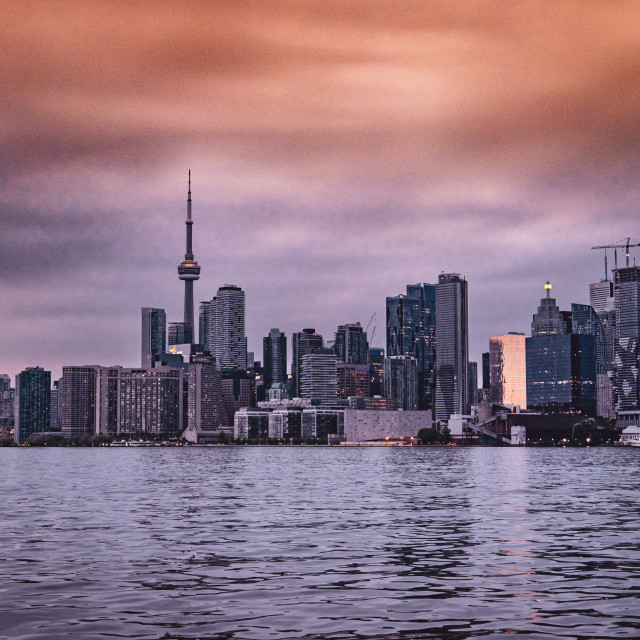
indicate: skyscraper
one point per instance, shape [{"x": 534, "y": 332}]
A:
[
  {"x": 205, "y": 409},
  {"x": 351, "y": 344},
  {"x": 411, "y": 330},
  {"x": 33, "y": 398},
  {"x": 586, "y": 322},
  {"x": 204, "y": 324},
  {"x": 508, "y": 369},
  {"x": 486, "y": 375},
  {"x": 154, "y": 335},
  {"x": 319, "y": 375},
  {"x": 189, "y": 270},
  {"x": 473, "y": 383},
  {"x": 79, "y": 401},
  {"x": 549, "y": 319},
  {"x": 602, "y": 299},
  {"x": 226, "y": 328},
  {"x": 561, "y": 373},
  {"x": 452, "y": 339},
  {"x": 600, "y": 296},
  {"x": 302, "y": 342},
  {"x": 401, "y": 381},
  {"x": 7, "y": 406},
  {"x": 130, "y": 400},
  {"x": 274, "y": 349},
  {"x": 561, "y": 366},
  {"x": 376, "y": 371},
  {"x": 180, "y": 334},
  {"x": 626, "y": 358},
  {"x": 354, "y": 380}
]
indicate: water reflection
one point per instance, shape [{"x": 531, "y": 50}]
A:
[{"x": 242, "y": 542}]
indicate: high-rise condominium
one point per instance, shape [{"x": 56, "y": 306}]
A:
[
  {"x": 138, "y": 400},
  {"x": 452, "y": 338},
  {"x": 154, "y": 335},
  {"x": 301, "y": 343},
  {"x": 508, "y": 369},
  {"x": 354, "y": 380},
  {"x": 33, "y": 398},
  {"x": 411, "y": 331},
  {"x": 319, "y": 375},
  {"x": 274, "y": 350},
  {"x": 351, "y": 344},
  {"x": 188, "y": 270},
  {"x": 222, "y": 327},
  {"x": 205, "y": 410},
  {"x": 79, "y": 401}
]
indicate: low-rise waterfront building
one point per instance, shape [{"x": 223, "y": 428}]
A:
[
  {"x": 362, "y": 425},
  {"x": 251, "y": 423},
  {"x": 325, "y": 424}
]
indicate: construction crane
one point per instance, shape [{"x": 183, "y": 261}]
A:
[
  {"x": 374, "y": 328},
  {"x": 370, "y": 321},
  {"x": 625, "y": 243}
]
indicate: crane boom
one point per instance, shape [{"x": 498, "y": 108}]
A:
[
  {"x": 621, "y": 244},
  {"x": 370, "y": 321}
]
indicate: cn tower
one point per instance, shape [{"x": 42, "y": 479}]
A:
[{"x": 189, "y": 270}]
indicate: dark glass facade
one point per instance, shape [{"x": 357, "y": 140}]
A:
[
  {"x": 486, "y": 372},
  {"x": 586, "y": 322},
  {"x": 376, "y": 371},
  {"x": 561, "y": 373},
  {"x": 274, "y": 349},
  {"x": 351, "y": 345},
  {"x": 33, "y": 393},
  {"x": 154, "y": 334},
  {"x": 411, "y": 331},
  {"x": 180, "y": 333}
]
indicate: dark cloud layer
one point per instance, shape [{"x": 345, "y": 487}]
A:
[{"x": 339, "y": 151}]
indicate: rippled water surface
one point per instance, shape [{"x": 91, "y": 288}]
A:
[{"x": 274, "y": 542}]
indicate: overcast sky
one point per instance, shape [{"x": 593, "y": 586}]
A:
[{"x": 339, "y": 150}]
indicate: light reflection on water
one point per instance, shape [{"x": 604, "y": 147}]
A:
[{"x": 268, "y": 542}]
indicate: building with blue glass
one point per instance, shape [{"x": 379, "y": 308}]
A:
[
  {"x": 33, "y": 397},
  {"x": 561, "y": 373},
  {"x": 562, "y": 358},
  {"x": 411, "y": 331}
]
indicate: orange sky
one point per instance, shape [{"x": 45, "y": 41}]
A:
[{"x": 340, "y": 150}]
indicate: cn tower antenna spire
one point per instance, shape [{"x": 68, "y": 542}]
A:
[{"x": 189, "y": 270}]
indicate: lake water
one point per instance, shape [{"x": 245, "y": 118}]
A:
[{"x": 275, "y": 542}]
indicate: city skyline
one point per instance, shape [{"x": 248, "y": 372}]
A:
[{"x": 336, "y": 157}]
